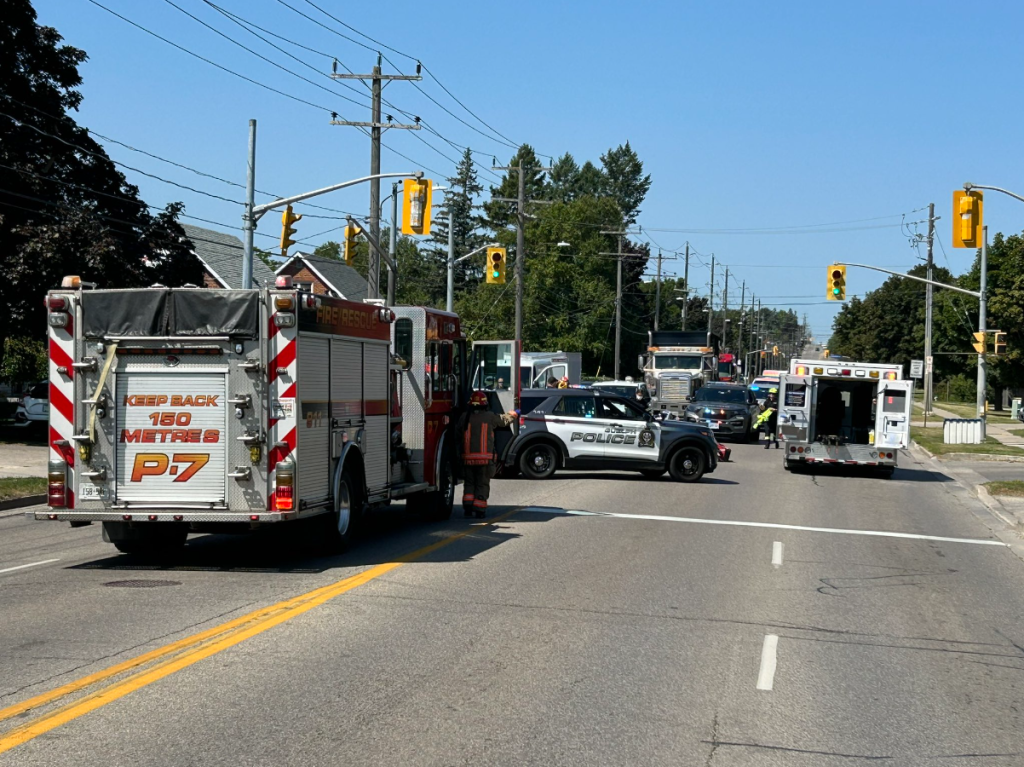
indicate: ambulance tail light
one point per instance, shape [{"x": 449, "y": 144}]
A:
[
  {"x": 873, "y": 374},
  {"x": 284, "y": 497},
  {"x": 818, "y": 371},
  {"x": 890, "y": 376},
  {"x": 846, "y": 372},
  {"x": 56, "y": 485},
  {"x": 801, "y": 370}
]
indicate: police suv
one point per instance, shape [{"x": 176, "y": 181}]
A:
[{"x": 589, "y": 429}]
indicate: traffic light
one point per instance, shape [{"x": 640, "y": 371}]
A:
[
  {"x": 496, "y": 262},
  {"x": 836, "y": 283},
  {"x": 288, "y": 219},
  {"x": 1000, "y": 343},
  {"x": 967, "y": 215},
  {"x": 352, "y": 232},
  {"x": 979, "y": 343},
  {"x": 416, "y": 199}
]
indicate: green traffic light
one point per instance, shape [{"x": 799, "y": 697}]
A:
[
  {"x": 835, "y": 291},
  {"x": 496, "y": 273}
]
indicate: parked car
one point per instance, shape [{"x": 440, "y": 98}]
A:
[
  {"x": 34, "y": 407},
  {"x": 729, "y": 409},
  {"x": 590, "y": 429}
]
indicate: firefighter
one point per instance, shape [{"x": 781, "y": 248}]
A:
[{"x": 478, "y": 458}]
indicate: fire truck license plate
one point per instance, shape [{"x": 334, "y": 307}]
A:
[
  {"x": 87, "y": 491},
  {"x": 171, "y": 437}
]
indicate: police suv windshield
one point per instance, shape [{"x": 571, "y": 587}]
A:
[
  {"x": 677, "y": 361},
  {"x": 711, "y": 394}
]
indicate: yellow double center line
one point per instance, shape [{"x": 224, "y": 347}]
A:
[{"x": 164, "y": 661}]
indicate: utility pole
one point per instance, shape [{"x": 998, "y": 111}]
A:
[
  {"x": 248, "y": 218},
  {"x": 983, "y": 328},
  {"x": 686, "y": 284},
  {"x": 450, "y": 303},
  {"x": 393, "y": 244},
  {"x": 739, "y": 334},
  {"x": 760, "y": 342},
  {"x": 711, "y": 298},
  {"x": 657, "y": 293},
  {"x": 520, "y": 202},
  {"x": 725, "y": 311},
  {"x": 376, "y": 127},
  {"x": 928, "y": 316}
]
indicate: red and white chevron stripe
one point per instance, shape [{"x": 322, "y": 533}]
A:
[
  {"x": 283, "y": 415},
  {"x": 62, "y": 398}
]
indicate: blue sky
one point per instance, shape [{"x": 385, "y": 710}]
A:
[{"x": 748, "y": 115}]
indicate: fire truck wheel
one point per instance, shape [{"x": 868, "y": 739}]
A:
[
  {"x": 344, "y": 520},
  {"x": 436, "y": 505},
  {"x": 687, "y": 464},
  {"x": 538, "y": 461}
]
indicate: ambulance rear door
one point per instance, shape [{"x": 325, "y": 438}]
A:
[
  {"x": 892, "y": 413},
  {"x": 795, "y": 400}
]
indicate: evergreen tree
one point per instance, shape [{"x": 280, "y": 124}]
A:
[
  {"x": 460, "y": 199},
  {"x": 625, "y": 180},
  {"x": 502, "y": 214},
  {"x": 565, "y": 174}
]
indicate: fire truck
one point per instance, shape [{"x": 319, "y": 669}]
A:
[
  {"x": 192, "y": 410},
  {"x": 854, "y": 413}
]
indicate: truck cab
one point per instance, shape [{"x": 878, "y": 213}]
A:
[{"x": 677, "y": 364}]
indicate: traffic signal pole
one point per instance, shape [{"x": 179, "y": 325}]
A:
[
  {"x": 928, "y": 396},
  {"x": 248, "y": 218},
  {"x": 686, "y": 284},
  {"x": 449, "y": 303},
  {"x": 982, "y": 327},
  {"x": 393, "y": 245}
]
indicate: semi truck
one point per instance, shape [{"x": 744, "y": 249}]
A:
[
  {"x": 185, "y": 410},
  {"x": 677, "y": 363},
  {"x": 851, "y": 413}
]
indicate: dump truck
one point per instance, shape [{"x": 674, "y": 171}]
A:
[{"x": 677, "y": 363}]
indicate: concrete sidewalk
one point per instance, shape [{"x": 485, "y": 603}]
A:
[{"x": 998, "y": 431}]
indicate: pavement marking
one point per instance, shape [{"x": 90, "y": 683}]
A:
[
  {"x": 164, "y": 661},
  {"x": 777, "y": 554},
  {"x": 31, "y": 564},
  {"x": 770, "y": 525},
  {"x": 766, "y": 677}
]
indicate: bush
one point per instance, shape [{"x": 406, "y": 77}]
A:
[{"x": 24, "y": 361}]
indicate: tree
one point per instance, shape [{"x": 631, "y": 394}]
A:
[
  {"x": 64, "y": 206},
  {"x": 460, "y": 200},
  {"x": 565, "y": 174},
  {"x": 625, "y": 180},
  {"x": 329, "y": 249},
  {"x": 501, "y": 214}
]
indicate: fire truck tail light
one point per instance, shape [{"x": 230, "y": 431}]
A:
[
  {"x": 284, "y": 302},
  {"x": 386, "y": 315},
  {"x": 284, "y": 496},
  {"x": 56, "y": 484},
  {"x": 283, "y": 281},
  {"x": 58, "y": 303},
  {"x": 72, "y": 281},
  {"x": 281, "y": 319},
  {"x": 309, "y": 301},
  {"x": 57, "y": 320}
]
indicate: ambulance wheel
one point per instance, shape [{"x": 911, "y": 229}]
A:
[
  {"x": 687, "y": 464},
  {"x": 344, "y": 520},
  {"x": 886, "y": 472},
  {"x": 538, "y": 461}
]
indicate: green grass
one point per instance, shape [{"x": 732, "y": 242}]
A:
[
  {"x": 931, "y": 440},
  {"x": 19, "y": 487},
  {"x": 1017, "y": 432},
  {"x": 1014, "y": 487},
  {"x": 965, "y": 410}
]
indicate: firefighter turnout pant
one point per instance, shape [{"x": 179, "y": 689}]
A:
[{"x": 476, "y": 488}]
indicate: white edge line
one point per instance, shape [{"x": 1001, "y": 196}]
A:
[
  {"x": 770, "y": 525},
  {"x": 766, "y": 677},
  {"x": 777, "y": 554},
  {"x": 31, "y": 564}
]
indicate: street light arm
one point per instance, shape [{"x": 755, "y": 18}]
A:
[
  {"x": 478, "y": 250},
  {"x": 374, "y": 244},
  {"x": 969, "y": 186},
  {"x": 974, "y": 293},
  {"x": 259, "y": 210}
]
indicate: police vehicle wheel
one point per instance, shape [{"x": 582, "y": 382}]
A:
[
  {"x": 687, "y": 464},
  {"x": 652, "y": 473},
  {"x": 538, "y": 461}
]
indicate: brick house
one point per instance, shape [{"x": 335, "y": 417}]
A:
[
  {"x": 221, "y": 255},
  {"x": 325, "y": 276}
]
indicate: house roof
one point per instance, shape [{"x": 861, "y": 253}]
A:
[
  {"x": 337, "y": 275},
  {"x": 221, "y": 254}
]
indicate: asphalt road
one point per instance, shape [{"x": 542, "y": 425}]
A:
[
  {"x": 994, "y": 471},
  {"x": 801, "y": 635}
]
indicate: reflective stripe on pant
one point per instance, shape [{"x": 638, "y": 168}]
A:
[{"x": 476, "y": 488}]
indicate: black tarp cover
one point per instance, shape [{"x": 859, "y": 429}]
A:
[{"x": 170, "y": 312}]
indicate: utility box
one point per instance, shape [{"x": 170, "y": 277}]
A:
[
  {"x": 963, "y": 431},
  {"x": 1016, "y": 408}
]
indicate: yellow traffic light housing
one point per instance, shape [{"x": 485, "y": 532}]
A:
[
  {"x": 967, "y": 219},
  {"x": 495, "y": 266},
  {"x": 836, "y": 283},
  {"x": 352, "y": 233},
  {"x": 775, "y": 350},
  {"x": 416, "y": 202},
  {"x": 288, "y": 219},
  {"x": 979, "y": 343},
  {"x": 999, "y": 346}
]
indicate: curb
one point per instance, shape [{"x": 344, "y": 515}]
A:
[
  {"x": 17, "y": 503},
  {"x": 967, "y": 456}
]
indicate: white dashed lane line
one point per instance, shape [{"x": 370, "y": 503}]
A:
[
  {"x": 31, "y": 564},
  {"x": 766, "y": 678},
  {"x": 777, "y": 554}
]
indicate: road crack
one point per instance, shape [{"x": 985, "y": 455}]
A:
[{"x": 713, "y": 741}]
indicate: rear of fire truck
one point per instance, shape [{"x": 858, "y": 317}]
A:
[{"x": 852, "y": 413}]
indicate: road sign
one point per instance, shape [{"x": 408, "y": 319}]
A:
[{"x": 916, "y": 368}]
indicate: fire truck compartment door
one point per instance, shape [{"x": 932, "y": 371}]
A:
[
  {"x": 172, "y": 437},
  {"x": 892, "y": 413},
  {"x": 795, "y": 398}
]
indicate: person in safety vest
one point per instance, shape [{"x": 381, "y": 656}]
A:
[
  {"x": 564, "y": 383},
  {"x": 769, "y": 418},
  {"x": 478, "y": 458}
]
